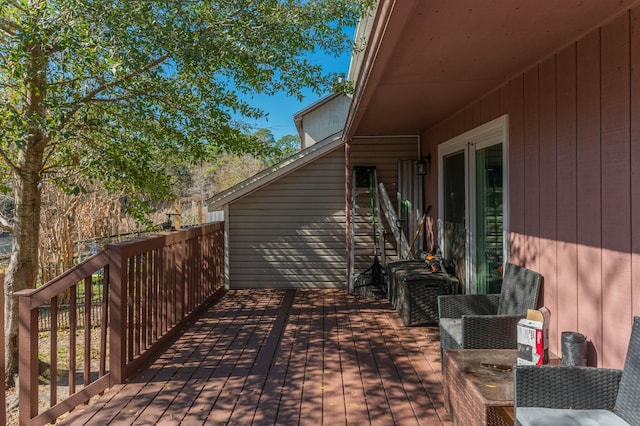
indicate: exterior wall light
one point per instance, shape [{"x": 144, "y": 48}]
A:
[{"x": 424, "y": 165}]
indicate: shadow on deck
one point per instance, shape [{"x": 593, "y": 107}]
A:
[{"x": 268, "y": 357}]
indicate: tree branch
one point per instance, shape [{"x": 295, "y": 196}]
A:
[
  {"x": 95, "y": 92},
  {"x": 8, "y": 28},
  {"x": 65, "y": 82},
  {"x": 113, "y": 100},
  {"x": 8, "y": 161},
  {"x": 8, "y": 86},
  {"x": 17, "y": 5},
  {"x": 5, "y": 225},
  {"x": 227, "y": 21}
]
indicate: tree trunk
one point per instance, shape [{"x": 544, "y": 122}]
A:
[
  {"x": 27, "y": 187},
  {"x": 23, "y": 266}
]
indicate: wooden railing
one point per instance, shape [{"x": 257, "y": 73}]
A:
[{"x": 151, "y": 286}]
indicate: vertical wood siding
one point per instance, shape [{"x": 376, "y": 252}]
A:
[
  {"x": 548, "y": 164},
  {"x": 635, "y": 160},
  {"x": 574, "y": 155},
  {"x": 566, "y": 314},
  {"x": 588, "y": 192},
  {"x": 532, "y": 168},
  {"x": 616, "y": 189},
  {"x": 517, "y": 188},
  {"x": 291, "y": 233}
]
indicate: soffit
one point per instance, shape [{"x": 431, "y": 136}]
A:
[{"x": 435, "y": 57}]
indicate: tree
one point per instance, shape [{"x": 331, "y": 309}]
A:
[
  {"x": 276, "y": 151},
  {"x": 120, "y": 90},
  {"x": 69, "y": 220},
  {"x": 286, "y": 146},
  {"x": 230, "y": 169}
]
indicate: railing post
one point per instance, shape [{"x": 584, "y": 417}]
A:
[
  {"x": 28, "y": 360},
  {"x": 181, "y": 285},
  {"x": 196, "y": 271},
  {"x": 118, "y": 312},
  {"x": 222, "y": 258}
]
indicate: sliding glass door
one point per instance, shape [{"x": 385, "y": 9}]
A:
[
  {"x": 472, "y": 200},
  {"x": 455, "y": 218},
  {"x": 489, "y": 229}
]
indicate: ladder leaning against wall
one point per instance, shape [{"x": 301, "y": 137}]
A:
[{"x": 367, "y": 231}]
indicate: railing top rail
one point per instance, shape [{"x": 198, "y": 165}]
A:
[
  {"x": 155, "y": 241},
  {"x": 65, "y": 280},
  {"x": 128, "y": 248}
]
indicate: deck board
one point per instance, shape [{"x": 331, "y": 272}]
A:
[{"x": 268, "y": 357}]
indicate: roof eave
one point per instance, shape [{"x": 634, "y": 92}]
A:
[{"x": 275, "y": 172}]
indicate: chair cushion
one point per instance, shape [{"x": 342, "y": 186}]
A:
[
  {"x": 536, "y": 416},
  {"x": 453, "y": 327}
]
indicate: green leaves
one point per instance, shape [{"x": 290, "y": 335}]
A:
[{"x": 124, "y": 90}]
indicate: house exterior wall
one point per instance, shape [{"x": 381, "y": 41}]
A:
[
  {"x": 574, "y": 181},
  {"x": 383, "y": 153},
  {"x": 325, "y": 120},
  {"x": 290, "y": 234}
]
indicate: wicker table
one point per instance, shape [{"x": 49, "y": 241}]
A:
[{"x": 478, "y": 384}]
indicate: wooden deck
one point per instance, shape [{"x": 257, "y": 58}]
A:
[{"x": 269, "y": 357}]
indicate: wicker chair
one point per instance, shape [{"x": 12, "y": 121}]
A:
[
  {"x": 546, "y": 395},
  {"x": 489, "y": 321}
]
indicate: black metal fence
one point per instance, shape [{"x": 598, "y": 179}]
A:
[
  {"x": 64, "y": 307},
  {"x": 64, "y": 317}
]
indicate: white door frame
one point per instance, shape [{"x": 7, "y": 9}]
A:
[{"x": 490, "y": 133}]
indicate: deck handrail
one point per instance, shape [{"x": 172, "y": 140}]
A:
[{"x": 152, "y": 286}]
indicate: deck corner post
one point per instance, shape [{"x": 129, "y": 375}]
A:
[
  {"x": 117, "y": 315},
  {"x": 28, "y": 360}
]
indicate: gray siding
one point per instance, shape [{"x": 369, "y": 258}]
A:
[
  {"x": 290, "y": 234},
  {"x": 383, "y": 153},
  {"x": 325, "y": 120}
]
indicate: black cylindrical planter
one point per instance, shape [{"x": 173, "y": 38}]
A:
[{"x": 574, "y": 349}]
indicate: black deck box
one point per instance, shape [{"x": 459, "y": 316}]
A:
[{"x": 414, "y": 289}]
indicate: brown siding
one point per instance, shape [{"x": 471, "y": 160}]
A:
[
  {"x": 616, "y": 190},
  {"x": 588, "y": 191},
  {"x": 635, "y": 160},
  {"x": 516, "y": 171},
  {"x": 548, "y": 178},
  {"x": 566, "y": 318},
  {"x": 531, "y": 170},
  {"x": 490, "y": 107},
  {"x": 574, "y": 183}
]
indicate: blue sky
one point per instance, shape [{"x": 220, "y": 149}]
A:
[{"x": 281, "y": 108}]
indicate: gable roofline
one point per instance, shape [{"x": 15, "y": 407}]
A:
[
  {"x": 317, "y": 104},
  {"x": 275, "y": 172}
]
